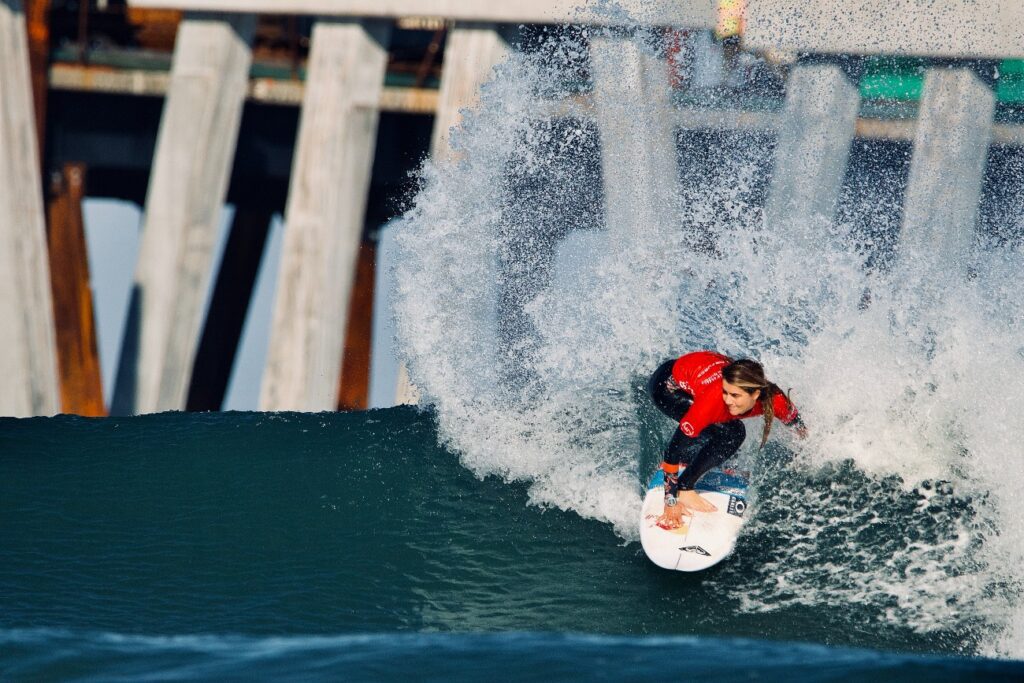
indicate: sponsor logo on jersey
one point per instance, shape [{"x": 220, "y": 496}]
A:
[
  {"x": 687, "y": 428},
  {"x": 737, "y": 506},
  {"x": 695, "y": 549}
]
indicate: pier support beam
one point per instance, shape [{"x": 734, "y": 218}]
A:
[
  {"x": 354, "y": 386},
  {"x": 28, "y": 361},
  {"x": 470, "y": 55},
  {"x": 37, "y": 13},
  {"x": 811, "y": 151},
  {"x": 954, "y": 128},
  {"x": 81, "y": 385},
  {"x": 325, "y": 214},
  {"x": 638, "y": 139},
  {"x": 194, "y": 151},
  {"x": 471, "y": 52}
]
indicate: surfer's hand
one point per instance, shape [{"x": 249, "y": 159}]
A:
[{"x": 672, "y": 518}]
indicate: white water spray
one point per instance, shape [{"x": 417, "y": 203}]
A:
[{"x": 896, "y": 380}]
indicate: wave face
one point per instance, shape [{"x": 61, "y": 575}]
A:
[
  {"x": 331, "y": 524},
  {"x": 529, "y": 321}
]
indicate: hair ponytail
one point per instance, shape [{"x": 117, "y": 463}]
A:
[
  {"x": 767, "y": 400},
  {"x": 749, "y": 376}
]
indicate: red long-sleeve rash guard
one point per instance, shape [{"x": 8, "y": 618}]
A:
[{"x": 700, "y": 375}]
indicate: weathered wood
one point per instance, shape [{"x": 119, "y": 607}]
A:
[
  {"x": 28, "y": 361},
  {"x": 195, "y": 148},
  {"x": 354, "y": 385},
  {"x": 81, "y": 383},
  {"x": 940, "y": 207},
  {"x": 662, "y": 12},
  {"x": 325, "y": 214},
  {"x": 37, "y": 15},
  {"x": 811, "y": 152},
  {"x": 229, "y": 305}
]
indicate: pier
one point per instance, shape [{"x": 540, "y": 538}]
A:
[{"x": 317, "y": 110}]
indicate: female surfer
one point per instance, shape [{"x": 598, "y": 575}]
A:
[{"x": 708, "y": 394}]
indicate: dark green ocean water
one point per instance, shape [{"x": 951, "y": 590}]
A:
[{"x": 320, "y": 545}]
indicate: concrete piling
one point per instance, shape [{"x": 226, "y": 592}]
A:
[
  {"x": 192, "y": 163},
  {"x": 325, "y": 214},
  {"x": 812, "y": 148},
  {"x": 27, "y": 339},
  {"x": 638, "y": 139},
  {"x": 471, "y": 53},
  {"x": 940, "y": 208}
]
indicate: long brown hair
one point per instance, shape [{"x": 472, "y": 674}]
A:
[{"x": 749, "y": 376}]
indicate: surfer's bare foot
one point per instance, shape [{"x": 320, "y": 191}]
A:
[{"x": 692, "y": 501}]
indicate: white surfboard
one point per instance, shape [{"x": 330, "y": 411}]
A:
[{"x": 705, "y": 538}]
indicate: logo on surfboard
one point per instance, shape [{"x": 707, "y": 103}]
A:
[
  {"x": 736, "y": 506},
  {"x": 695, "y": 549}
]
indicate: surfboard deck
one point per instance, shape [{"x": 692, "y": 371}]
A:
[{"x": 705, "y": 538}]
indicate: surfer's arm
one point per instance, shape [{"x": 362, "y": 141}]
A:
[
  {"x": 799, "y": 426},
  {"x": 788, "y": 415},
  {"x": 671, "y": 470}
]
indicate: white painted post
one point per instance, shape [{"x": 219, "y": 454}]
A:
[
  {"x": 326, "y": 209},
  {"x": 192, "y": 164},
  {"x": 811, "y": 151},
  {"x": 940, "y": 209},
  {"x": 638, "y": 137},
  {"x": 471, "y": 53},
  {"x": 28, "y": 358}
]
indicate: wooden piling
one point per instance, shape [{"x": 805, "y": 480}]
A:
[
  {"x": 184, "y": 203},
  {"x": 37, "y": 15},
  {"x": 325, "y": 214},
  {"x": 354, "y": 384},
  {"x": 81, "y": 384},
  {"x": 28, "y": 361}
]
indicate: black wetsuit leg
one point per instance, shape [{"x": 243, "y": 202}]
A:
[{"x": 716, "y": 443}]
